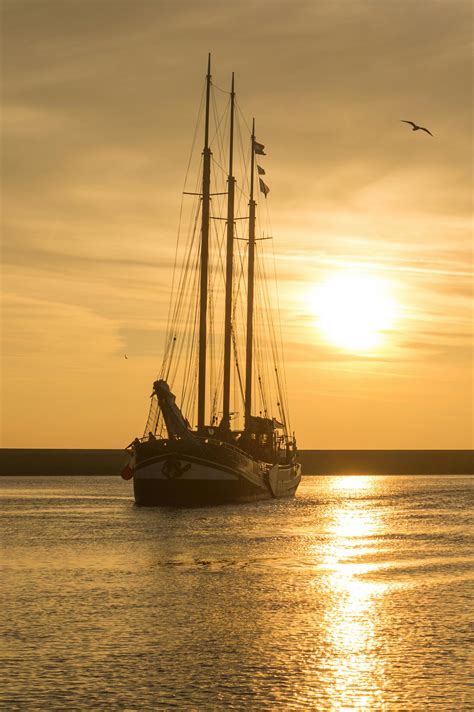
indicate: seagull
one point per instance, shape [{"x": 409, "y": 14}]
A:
[
  {"x": 415, "y": 127},
  {"x": 125, "y": 355}
]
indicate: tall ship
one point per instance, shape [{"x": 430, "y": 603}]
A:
[{"x": 218, "y": 428}]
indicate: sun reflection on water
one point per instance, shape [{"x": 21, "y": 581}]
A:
[
  {"x": 354, "y": 674},
  {"x": 352, "y": 482}
]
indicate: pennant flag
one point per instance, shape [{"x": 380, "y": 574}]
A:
[
  {"x": 264, "y": 188},
  {"x": 259, "y": 148},
  {"x": 261, "y": 171}
]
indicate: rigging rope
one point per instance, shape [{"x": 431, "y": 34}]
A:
[{"x": 181, "y": 353}]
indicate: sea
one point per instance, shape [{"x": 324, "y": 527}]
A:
[{"x": 355, "y": 595}]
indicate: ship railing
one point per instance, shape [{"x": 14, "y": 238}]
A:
[
  {"x": 221, "y": 443},
  {"x": 281, "y": 451},
  {"x": 201, "y": 439}
]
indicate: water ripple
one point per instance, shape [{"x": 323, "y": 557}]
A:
[{"x": 354, "y": 596}]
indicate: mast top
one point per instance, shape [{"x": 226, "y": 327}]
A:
[
  {"x": 208, "y": 91},
  {"x": 252, "y": 163},
  {"x": 231, "y": 138}
]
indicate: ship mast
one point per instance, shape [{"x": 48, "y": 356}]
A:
[
  {"x": 250, "y": 290},
  {"x": 206, "y": 182},
  {"x": 229, "y": 269}
]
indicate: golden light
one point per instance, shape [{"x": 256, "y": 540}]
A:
[
  {"x": 355, "y": 676},
  {"x": 351, "y": 482},
  {"x": 354, "y": 309}
]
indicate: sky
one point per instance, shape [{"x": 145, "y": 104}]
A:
[{"x": 99, "y": 104}]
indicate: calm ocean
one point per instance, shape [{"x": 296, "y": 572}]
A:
[{"x": 353, "y": 596}]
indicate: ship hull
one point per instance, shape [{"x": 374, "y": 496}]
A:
[{"x": 181, "y": 479}]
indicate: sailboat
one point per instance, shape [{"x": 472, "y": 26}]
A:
[{"x": 237, "y": 451}]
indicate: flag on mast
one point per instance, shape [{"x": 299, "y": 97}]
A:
[
  {"x": 264, "y": 187},
  {"x": 259, "y": 148},
  {"x": 261, "y": 171}
]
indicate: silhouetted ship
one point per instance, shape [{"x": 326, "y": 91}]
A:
[{"x": 221, "y": 308}]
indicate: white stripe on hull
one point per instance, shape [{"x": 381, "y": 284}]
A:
[{"x": 194, "y": 471}]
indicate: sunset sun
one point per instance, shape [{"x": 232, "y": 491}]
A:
[{"x": 354, "y": 310}]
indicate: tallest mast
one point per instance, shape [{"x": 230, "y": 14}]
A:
[
  {"x": 206, "y": 182},
  {"x": 229, "y": 268}
]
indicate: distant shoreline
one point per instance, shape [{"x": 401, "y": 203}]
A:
[{"x": 62, "y": 462}]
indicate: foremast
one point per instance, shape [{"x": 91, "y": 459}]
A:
[{"x": 206, "y": 184}]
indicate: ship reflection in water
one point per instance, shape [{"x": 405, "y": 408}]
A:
[{"x": 353, "y": 596}]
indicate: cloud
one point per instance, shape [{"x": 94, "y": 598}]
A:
[{"x": 99, "y": 109}]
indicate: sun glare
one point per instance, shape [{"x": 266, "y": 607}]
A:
[{"x": 353, "y": 310}]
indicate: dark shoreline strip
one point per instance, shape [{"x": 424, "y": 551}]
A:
[{"x": 56, "y": 462}]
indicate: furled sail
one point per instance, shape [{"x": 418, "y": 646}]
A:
[{"x": 176, "y": 423}]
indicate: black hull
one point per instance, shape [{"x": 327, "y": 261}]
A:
[
  {"x": 186, "y": 474},
  {"x": 175, "y": 493}
]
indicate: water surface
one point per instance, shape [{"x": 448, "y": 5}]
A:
[{"x": 353, "y": 596}]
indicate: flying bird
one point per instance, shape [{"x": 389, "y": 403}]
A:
[
  {"x": 125, "y": 356},
  {"x": 415, "y": 127}
]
